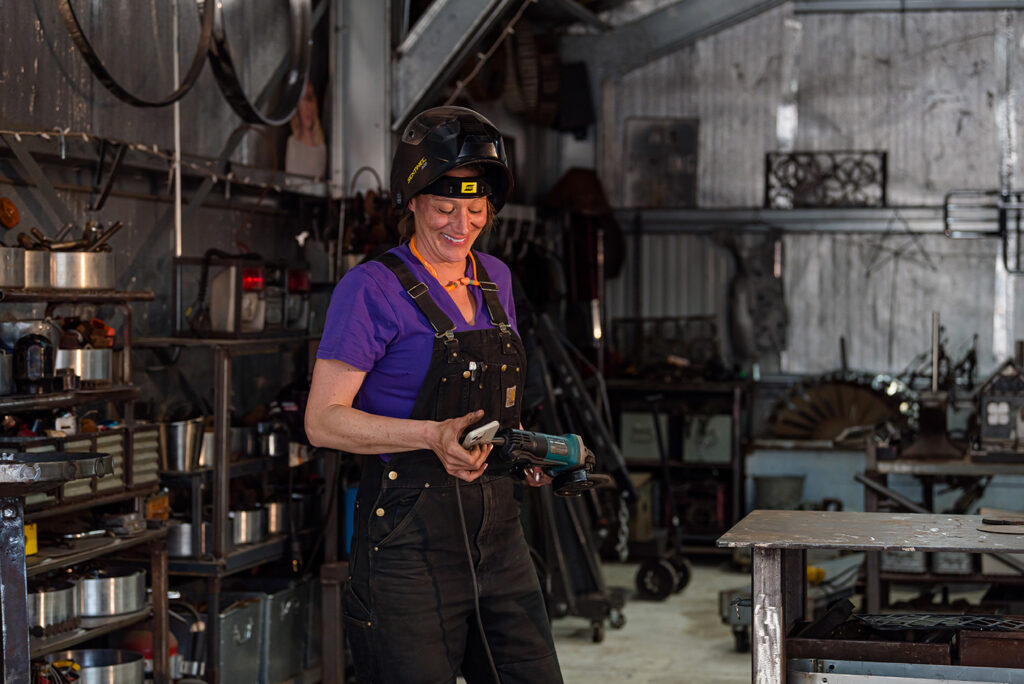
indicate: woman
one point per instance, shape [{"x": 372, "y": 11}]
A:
[{"x": 419, "y": 346}]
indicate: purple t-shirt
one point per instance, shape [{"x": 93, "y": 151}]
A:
[{"x": 374, "y": 325}]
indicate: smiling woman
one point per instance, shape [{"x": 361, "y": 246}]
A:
[{"x": 420, "y": 346}]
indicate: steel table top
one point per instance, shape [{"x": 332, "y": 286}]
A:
[{"x": 868, "y": 532}]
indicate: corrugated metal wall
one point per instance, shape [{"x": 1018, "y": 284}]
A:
[
  {"x": 45, "y": 84},
  {"x": 922, "y": 86}
]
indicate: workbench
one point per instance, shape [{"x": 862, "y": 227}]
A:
[{"x": 780, "y": 539}]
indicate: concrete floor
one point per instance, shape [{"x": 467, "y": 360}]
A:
[{"x": 678, "y": 641}]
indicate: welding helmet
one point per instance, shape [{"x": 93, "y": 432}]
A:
[{"x": 445, "y": 138}]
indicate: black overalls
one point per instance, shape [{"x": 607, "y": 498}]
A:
[{"x": 408, "y": 608}]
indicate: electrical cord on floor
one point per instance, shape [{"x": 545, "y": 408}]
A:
[{"x": 476, "y": 587}]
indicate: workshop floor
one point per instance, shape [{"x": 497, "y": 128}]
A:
[{"x": 678, "y": 641}]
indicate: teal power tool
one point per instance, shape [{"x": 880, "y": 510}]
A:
[{"x": 565, "y": 458}]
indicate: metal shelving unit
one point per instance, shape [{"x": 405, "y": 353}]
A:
[
  {"x": 223, "y": 561},
  {"x": 16, "y": 569}
]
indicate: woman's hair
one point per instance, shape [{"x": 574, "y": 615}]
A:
[
  {"x": 407, "y": 224},
  {"x": 296, "y": 120}
]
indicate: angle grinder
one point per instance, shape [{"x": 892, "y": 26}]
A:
[{"x": 564, "y": 458}]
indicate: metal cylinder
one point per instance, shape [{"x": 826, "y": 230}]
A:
[
  {"x": 12, "y": 267},
  {"x": 112, "y": 592},
  {"x": 105, "y": 665},
  {"x": 248, "y": 526},
  {"x": 37, "y": 269},
  {"x": 277, "y": 517},
  {"x": 91, "y": 365},
  {"x": 82, "y": 270},
  {"x": 935, "y": 351},
  {"x": 52, "y": 604},
  {"x": 180, "y": 443}
]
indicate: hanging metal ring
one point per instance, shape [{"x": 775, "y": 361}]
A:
[
  {"x": 74, "y": 29},
  {"x": 294, "y": 78}
]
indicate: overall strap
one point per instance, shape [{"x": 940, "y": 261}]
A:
[
  {"x": 443, "y": 326},
  {"x": 495, "y": 310}
]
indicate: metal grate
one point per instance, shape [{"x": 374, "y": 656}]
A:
[{"x": 903, "y": 621}]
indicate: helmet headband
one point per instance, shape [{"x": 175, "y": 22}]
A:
[{"x": 459, "y": 188}]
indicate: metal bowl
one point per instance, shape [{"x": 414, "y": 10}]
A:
[
  {"x": 105, "y": 665},
  {"x": 91, "y": 365}
]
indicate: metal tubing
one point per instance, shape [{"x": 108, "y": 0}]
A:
[
  {"x": 768, "y": 642},
  {"x": 935, "y": 351}
]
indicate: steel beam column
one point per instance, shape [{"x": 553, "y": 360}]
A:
[
  {"x": 435, "y": 47},
  {"x": 13, "y": 592}
]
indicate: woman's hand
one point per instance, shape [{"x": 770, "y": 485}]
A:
[{"x": 464, "y": 464}]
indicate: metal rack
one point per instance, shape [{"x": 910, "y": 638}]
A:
[
  {"x": 18, "y": 648},
  {"x": 223, "y": 562}
]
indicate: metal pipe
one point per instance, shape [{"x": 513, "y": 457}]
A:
[
  {"x": 177, "y": 137},
  {"x": 935, "y": 351}
]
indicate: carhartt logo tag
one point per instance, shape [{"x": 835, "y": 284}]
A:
[
  {"x": 469, "y": 188},
  {"x": 510, "y": 397}
]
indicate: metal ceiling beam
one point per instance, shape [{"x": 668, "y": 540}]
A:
[
  {"x": 659, "y": 33},
  {"x": 896, "y": 220},
  {"x": 580, "y": 13},
  {"x": 835, "y": 6},
  {"x": 435, "y": 47}
]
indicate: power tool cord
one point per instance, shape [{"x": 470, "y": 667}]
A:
[{"x": 476, "y": 587}]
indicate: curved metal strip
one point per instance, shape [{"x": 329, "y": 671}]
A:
[
  {"x": 74, "y": 29},
  {"x": 294, "y": 80}
]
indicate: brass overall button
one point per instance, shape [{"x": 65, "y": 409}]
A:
[
  {"x": 466, "y": 374},
  {"x": 380, "y": 512},
  {"x": 393, "y": 475},
  {"x": 504, "y": 367}
]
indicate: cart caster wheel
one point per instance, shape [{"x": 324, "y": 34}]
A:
[
  {"x": 656, "y": 579},
  {"x": 741, "y": 640},
  {"x": 597, "y": 632},
  {"x": 683, "y": 569},
  {"x": 616, "y": 619}
]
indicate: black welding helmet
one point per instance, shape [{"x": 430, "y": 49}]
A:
[{"x": 445, "y": 138}]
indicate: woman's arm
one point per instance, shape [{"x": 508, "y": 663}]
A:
[{"x": 332, "y": 422}]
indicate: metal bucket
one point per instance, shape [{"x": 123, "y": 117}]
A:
[
  {"x": 12, "y": 267},
  {"x": 105, "y": 665},
  {"x": 180, "y": 443},
  {"x": 82, "y": 270},
  {"x": 91, "y": 365},
  {"x": 782, "y": 492},
  {"x": 37, "y": 268},
  {"x": 112, "y": 592}
]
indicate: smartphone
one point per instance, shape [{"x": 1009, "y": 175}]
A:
[{"x": 481, "y": 435}]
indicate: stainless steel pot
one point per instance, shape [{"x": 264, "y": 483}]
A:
[
  {"x": 51, "y": 604},
  {"x": 241, "y": 445},
  {"x": 274, "y": 438},
  {"x": 12, "y": 267},
  {"x": 91, "y": 365},
  {"x": 249, "y": 526},
  {"x": 180, "y": 443},
  {"x": 37, "y": 268},
  {"x": 82, "y": 270},
  {"x": 105, "y": 665},
  {"x": 6, "y": 372},
  {"x": 277, "y": 517},
  {"x": 111, "y": 592},
  {"x": 179, "y": 539}
]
